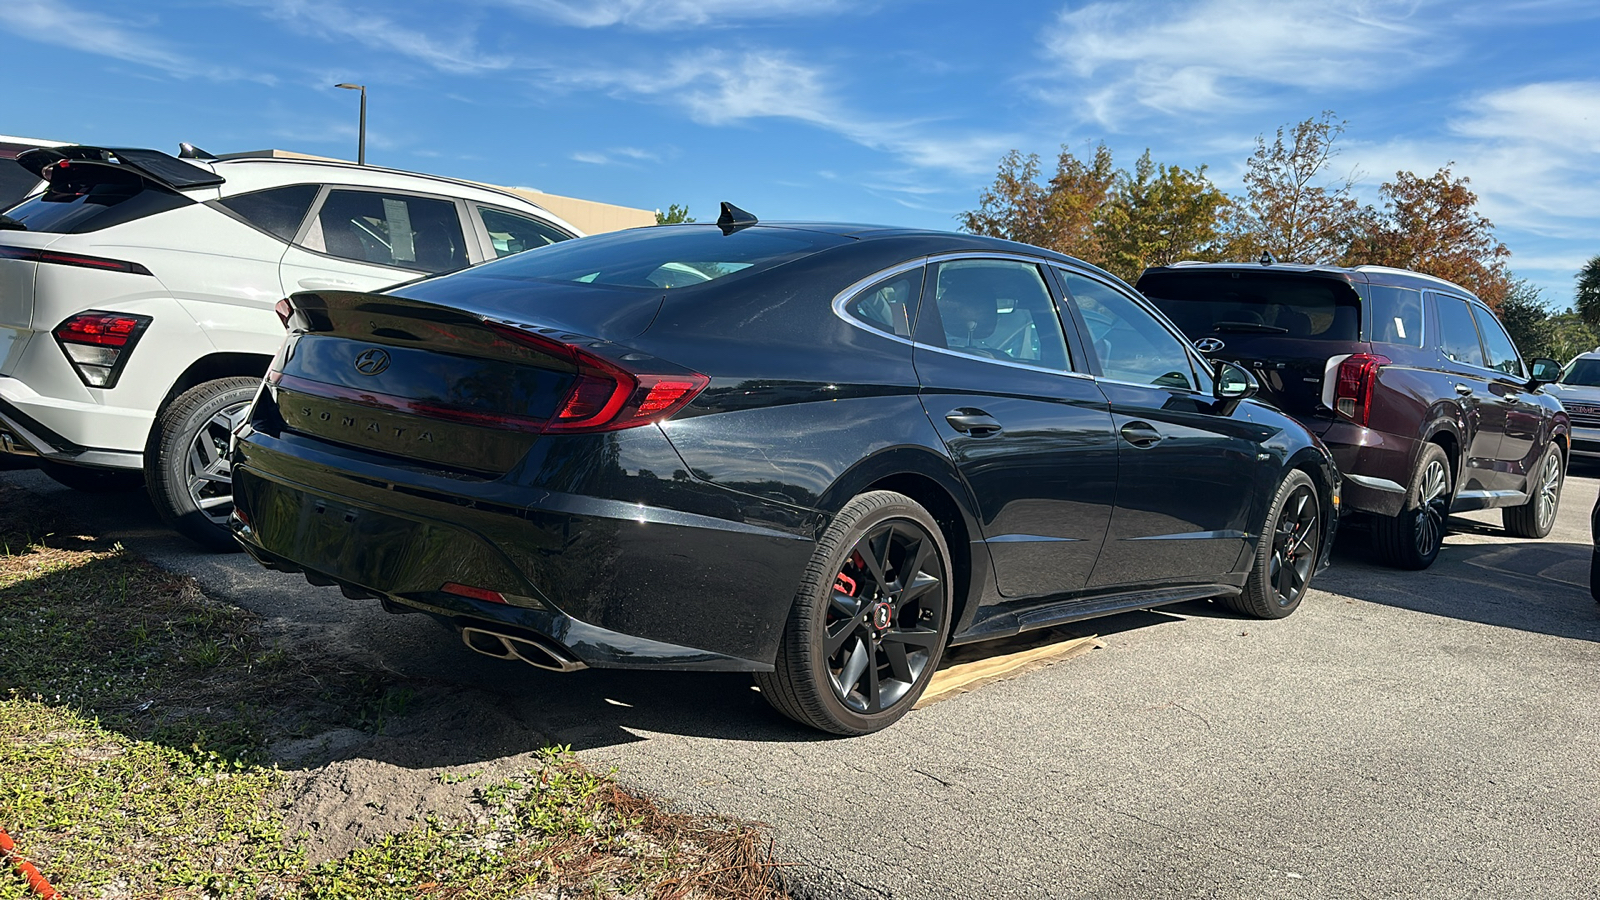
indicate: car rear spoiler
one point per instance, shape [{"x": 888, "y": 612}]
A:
[{"x": 152, "y": 165}]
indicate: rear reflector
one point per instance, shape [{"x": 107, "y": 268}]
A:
[
  {"x": 473, "y": 593},
  {"x": 98, "y": 344},
  {"x": 610, "y": 395},
  {"x": 55, "y": 257}
]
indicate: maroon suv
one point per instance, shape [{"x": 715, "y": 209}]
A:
[{"x": 1410, "y": 380}]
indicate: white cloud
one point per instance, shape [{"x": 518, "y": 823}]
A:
[
  {"x": 594, "y": 159},
  {"x": 330, "y": 20},
  {"x": 718, "y": 88},
  {"x": 93, "y": 32},
  {"x": 659, "y": 15},
  {"x": 1123, "y": 59}
]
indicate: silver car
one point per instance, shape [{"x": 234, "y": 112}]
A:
[{"x": 1579, "y": 391}]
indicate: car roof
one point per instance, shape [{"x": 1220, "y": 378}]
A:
[
  {"x": 245, "y": 174},
  {"x": 927, "y": 240},
  {"x": 1386, "y": 275}
]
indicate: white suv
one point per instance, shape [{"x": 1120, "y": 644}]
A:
[{"x": 137, "y": 297}]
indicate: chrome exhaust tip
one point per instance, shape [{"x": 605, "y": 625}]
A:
[{"x": 512, "y": 647}]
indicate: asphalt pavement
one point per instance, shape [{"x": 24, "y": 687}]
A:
[{"x": 1404, "y": 734}]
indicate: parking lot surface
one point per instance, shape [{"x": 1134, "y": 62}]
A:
[{"x": 1405, "y": 734}]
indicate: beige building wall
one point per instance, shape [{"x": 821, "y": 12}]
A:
[{"x": 591, "y": 217}]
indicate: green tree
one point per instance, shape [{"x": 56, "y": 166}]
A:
[
  {"x": 1432, "y": 225},
  {"x": 1158, "y": 215},
  {"x": 1588, "y": 299},
  {"x": 1061, "y": 215},
  {"x": 1120, "y": 220},
  {"x": 1287, "y": 209},
  {"x": 675, "y": 215},
  {"x": 1539, "y": 332}
]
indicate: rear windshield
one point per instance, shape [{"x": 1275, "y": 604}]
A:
[
  {"x": 1583, "y": 371},
  {"x": 1206, "y": 303},
  {"x": 659, "y": 257},
  {"x": 98, "y": 199}
]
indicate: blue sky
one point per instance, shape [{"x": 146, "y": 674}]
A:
[{"x": 889, "y": 111}]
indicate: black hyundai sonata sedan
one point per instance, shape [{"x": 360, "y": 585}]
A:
[{"x": 818, "y": 453}]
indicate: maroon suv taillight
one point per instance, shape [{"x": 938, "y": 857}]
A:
[
  {"x": 98, "y": 343},
  {"x": 610, "y": 395},
  {"x": 1354, "y": 385}
]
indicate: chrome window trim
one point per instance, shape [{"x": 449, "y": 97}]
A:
[{"x": 843, "y": 298}]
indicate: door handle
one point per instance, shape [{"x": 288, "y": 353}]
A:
[
  {"x": 1463, "y": 390},
  {"x": 974, "y": 422},
  {"x": 325, "y": 284},
  {"x": 1141, "y": 434}
]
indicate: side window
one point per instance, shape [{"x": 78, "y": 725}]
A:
[
  {"x": 1396, "y": 315},
  {"x": 1458, "y": 336},
  {"x": 1502, "y": 352},
  {"x": 1132, "y": 344},
  {"x": 390, "y": 230},
  {"x": 998, "y": 309},
  {"x": 890, "y": 305},
  {"x": 277, "y": 211},
  {"x": 512, "y": 233}
]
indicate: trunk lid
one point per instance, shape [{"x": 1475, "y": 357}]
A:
[{"x": 415, "y": 380}]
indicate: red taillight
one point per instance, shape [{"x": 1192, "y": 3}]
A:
[
  {"x": 98, "y": 343},
  {"x": 104, "y": 329},
  {"x": 474, "y": 593},
  {"x": 1354, "y": 384},
  {"x": 56, "y": 257},
  {"x": 609, "y": 395}
]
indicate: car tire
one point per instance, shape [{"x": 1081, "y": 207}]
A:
[
  {"x": 1535, "y": 518},
  {"x": 1287, "y": 555},
  {"x": 865, "y": 635},
  {"x": 1594, "y": 576},
  {"x": 1412, "y": 539},
  {"x": 187, "y": 463},
  {"x": 92, "y": 480}
]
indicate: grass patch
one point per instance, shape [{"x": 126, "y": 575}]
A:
[{"x": 135, "y": 717}]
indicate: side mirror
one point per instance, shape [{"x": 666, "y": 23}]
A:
[
  {"x": 1233, "y": 382},
  {"x": 1545, "y": 371}
]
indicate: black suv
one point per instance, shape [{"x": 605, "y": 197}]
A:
[{"x": 1410, "y": 380}]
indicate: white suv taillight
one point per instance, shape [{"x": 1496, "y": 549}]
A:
[{"x": 98, "y": 344}]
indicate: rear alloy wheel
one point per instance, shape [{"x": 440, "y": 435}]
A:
[
  {"x": 189, "y": 477},
  {"x": 870, "y": 621},
  {"x": 1286, "y": 557},
  {"x": 1535, "y": 518},
  {"x": 1412, "y": 539}
]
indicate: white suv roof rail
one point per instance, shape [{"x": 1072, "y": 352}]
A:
[{"x": 235, "y": 158}]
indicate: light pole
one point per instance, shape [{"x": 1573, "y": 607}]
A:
[{"x": 361, "y": 145}]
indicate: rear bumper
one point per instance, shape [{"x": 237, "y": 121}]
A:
[
  {"x": 1376, "y": 467},
  {"x": 23, "y": 435},
  {"x": 615, "y": 584}
]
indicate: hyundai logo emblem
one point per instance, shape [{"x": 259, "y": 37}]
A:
[
  {"x": 371, "y": 362},
  {"x": 1209, "y": 345}
]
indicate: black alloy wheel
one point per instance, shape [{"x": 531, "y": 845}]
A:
[
  {"x": 870, "y": 621},
  {"x": 187, "y": 468},
  {"x": 1412, "y": 539},
  {"x": 1287, "y": 555}
]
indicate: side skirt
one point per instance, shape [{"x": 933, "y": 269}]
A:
[{"x": 1004, "y": 623}]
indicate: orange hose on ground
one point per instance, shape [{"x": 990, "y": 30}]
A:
[{"x": 24, "y": 868}]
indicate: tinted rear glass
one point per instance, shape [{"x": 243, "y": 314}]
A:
[
  {"x": 15, "y": 182},
  {"x": 1205, "y": 303},
  {"x": 660, "y": 258},
  {"x": 94, "y": 200},
  {"x": 278, "y": 211}
]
